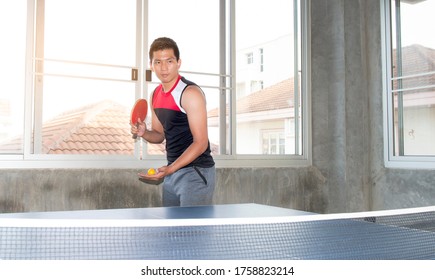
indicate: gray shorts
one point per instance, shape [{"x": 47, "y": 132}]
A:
[{"x": 189, "y": 186}]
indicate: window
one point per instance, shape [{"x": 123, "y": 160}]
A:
[
  {"x": 261, "y": 60},
  {"x": 250, "y": 58},
  {"x": 273, "y": 143},
  {"x": 410, "y": 83},
  {"x": 274, "y": 99},
  {"x": 13, "y": 16},
  {"x": 70, "y": 84},
  {"x": 83, "y": 88},
  {"x": 256, "y": 86},
  {"x": 79, "y": 84},
  {"x": 205, "y": 63}
]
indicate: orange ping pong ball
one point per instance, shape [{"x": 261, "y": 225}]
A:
[{"x": 151, "y": 171}]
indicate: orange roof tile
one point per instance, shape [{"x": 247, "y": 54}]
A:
[
  {"x": 278, "y": 96},
  {"x": 96, "y": 129},
  {"x": 416, "y": 59},
  {"x": 101, "y": 128}
]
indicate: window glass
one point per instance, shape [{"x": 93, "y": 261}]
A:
[
  {"x": 267, "y": 83},
  {"x": 83, "y": 87},
  {"x": 13, "y": 16},
  {"x": 197, "y": 37},
  {"x": 413, "y": 77}
]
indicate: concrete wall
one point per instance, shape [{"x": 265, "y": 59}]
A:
[
  {"x": 348, "y": 116},
  {"x": 347, "y": 172},
  {"x": 63, "y": 189},
  {"x": 340, "y": 100}
]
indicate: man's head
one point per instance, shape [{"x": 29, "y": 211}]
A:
[
  {"x": 165, "y": 61},
  {"x": 164, "y": 43}
]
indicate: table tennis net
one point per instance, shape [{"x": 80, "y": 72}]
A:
[{"x": 374, "y": 235}]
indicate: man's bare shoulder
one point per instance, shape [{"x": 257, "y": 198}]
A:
[
  {"x": 192, "y": 95},
  {"x": 193, "y": 91}
]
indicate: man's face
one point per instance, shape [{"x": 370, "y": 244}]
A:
[{"x": 165, "y": 65}]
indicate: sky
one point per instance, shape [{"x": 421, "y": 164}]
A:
[{"x": 417, "y": 23}]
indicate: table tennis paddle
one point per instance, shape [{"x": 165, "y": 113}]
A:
[{"x": 139, "y": 110}]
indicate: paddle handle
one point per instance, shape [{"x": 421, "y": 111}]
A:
[{"x": 134, "y": 136}]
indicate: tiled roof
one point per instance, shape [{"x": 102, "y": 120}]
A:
[
  {"x": 416, "y": 59},
  {"x": 98, "y": 129},
  {"x": 101, "y": 128},
  {"x": 278, "y": 96}
]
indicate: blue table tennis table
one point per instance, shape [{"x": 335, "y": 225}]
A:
[
  {"x": 248, "y": 210},
  {"x": 237, "y": 235}
]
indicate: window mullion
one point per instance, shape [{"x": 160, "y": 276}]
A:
[{"x": 38, "y": 79}]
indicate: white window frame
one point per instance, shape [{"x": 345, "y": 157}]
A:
[
  {"x": 390, "y": 159},
  {"x": 29, "y": 160}
]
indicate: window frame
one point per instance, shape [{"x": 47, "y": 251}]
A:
[
  {"x": 29, "y": 160},
  {"x": 390, "y": 159}
]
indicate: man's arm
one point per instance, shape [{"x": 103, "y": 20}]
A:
[{"x": 156, "y": 134}]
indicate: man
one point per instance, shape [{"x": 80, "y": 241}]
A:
[{"x": 178, "y": 115}]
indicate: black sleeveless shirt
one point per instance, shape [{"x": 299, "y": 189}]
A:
[{"x": 167, "y": 106}]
